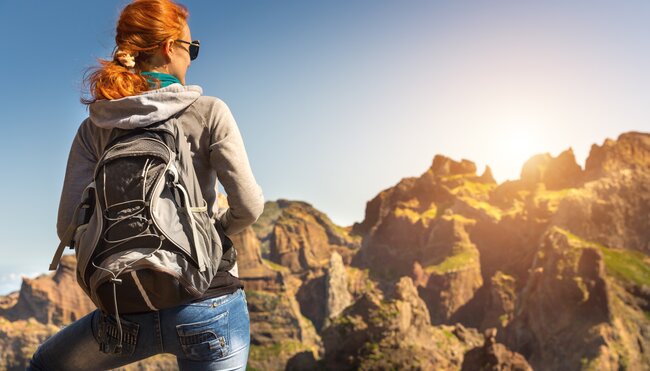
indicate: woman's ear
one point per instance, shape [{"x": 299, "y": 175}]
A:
[{"x": 168, "y": 49}]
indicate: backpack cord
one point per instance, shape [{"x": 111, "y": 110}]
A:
[
  {"x": 115, "y": 281},
  {"x": 118, "y": 347}
]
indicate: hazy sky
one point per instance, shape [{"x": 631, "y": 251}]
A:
[{"x": 336, "y": 100}]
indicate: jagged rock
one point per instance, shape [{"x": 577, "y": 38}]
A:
[
  {"x": 375, "y": 333},
  {"x": 447, "y": 292},
  {"x": 612, "y": 210},
  {"x": 424, "y": 223},
  {"x": 401, "y": 222},
  {"x": 312, "y": 298},
  {"x": 338, "y": 296},
  {"x": 630, "y": 150},
  {"x": 279, "y": 331},
  {"x": 487, "y": 176},
  {"x": 164, "y": 361},
  {"x": 264, "y": 225},
  {"x": 453, "y": 277},
  {"x": 20, "y": 339},
  {"x": 272, "y": 211},
  {"x": 415, "y": 312},
  {"x": 554, "y": 172},
  {"x": 494, "y": 356},
  {"x": 443, "y": 165},
  {"x": 301, "y": 241},
  {"x": 255, "y": 274},
  {"x": 391, "y": 247},
  {"x": 568, "y": 315},
  {"x": 44, "y": 304},
  {"x": 501, "y": 303},
  {"x": 372, "y": 213},
  {"x": 8, "y": 301},
  {"x": 574, "y": 296},
  {"x": 52, "y": 298},
  {"x": 303, "y": 238},
  {"x": 424, "y": 194}
]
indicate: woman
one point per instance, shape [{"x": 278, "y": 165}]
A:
[{"x": 143, "y": 84}]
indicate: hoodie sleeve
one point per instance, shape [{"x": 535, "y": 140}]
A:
[
  {"x": 228, "y": 156},
  {"x": 78, "y": 174}
]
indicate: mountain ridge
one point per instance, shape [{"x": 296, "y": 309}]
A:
[{"x": 548, "y": 271}]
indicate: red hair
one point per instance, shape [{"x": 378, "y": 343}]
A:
[{"x": 142, "y": 27}]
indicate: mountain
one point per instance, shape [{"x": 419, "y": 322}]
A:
[{"x": 447, "y": 271}]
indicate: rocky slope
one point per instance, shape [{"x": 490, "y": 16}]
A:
[{"x": 447, "y": 271}]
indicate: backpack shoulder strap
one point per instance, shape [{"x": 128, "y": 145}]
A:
[{"x": 86, "y": 199}]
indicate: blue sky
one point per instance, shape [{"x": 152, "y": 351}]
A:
[{"x": 336, "y": 100}]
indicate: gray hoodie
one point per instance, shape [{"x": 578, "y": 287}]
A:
[{"x": 215, "y": 141}]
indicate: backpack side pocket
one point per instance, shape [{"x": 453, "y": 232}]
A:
[{"x": 213, "y": 244}]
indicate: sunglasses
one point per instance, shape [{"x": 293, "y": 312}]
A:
[{"x": 194, "y": 48}]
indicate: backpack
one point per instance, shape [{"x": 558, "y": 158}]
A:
[{"x": 141, "y": 232}]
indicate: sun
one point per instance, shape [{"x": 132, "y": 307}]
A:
[
  {"x": 519, "y": 142},
  {"x": 518, "y": 139}
]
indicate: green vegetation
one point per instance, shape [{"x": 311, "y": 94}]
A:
[
  {"x": 384, "y": 314},
  {"x": 492, "y": 211},
  {"x": 410, "y": 210},
  {"x": 413, "y": 203},
  {"x": 267, "y": 301},
  {"x": 517, "y": 207},
  {"x": 359, "y": 275},
  {"x": 473, "y": 189},
  {"x": 276, "y": 267},
  {"x": 372, "y": 351},
  {"x": 430, "y": 213},
  {"x": 448, "y": 334},
  {"x": 415, "y": 210},
  {"x": 552, "y": 198},
  {"x": 275, "y": 350},
  {"x": 347, "y": 324},
  {"x": 410, "y": 214},
  {"x": 587, "y": 364},
  {"x": 452, "y": 177},
  {"x": 459, "y": 217},
  {"x": 625, "y": 265},
  {"x": 628, "y": 265},
  {"x": 343, "y": 321},
  {"x": 460, "y": 260}
]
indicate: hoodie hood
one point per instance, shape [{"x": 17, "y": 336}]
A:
[{"x": 144, "y": 108}]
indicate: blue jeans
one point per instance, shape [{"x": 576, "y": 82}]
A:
[{"x": 213, "y": 334}]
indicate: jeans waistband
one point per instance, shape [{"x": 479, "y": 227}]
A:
[{"x": 219, "y": 300}]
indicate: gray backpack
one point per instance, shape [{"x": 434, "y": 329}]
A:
[{"x": 142, "y": 232}]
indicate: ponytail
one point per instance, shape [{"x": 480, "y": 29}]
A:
[{"x": 142, "y": 27}]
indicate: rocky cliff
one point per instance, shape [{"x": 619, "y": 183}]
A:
[{"x": 447, "y": 271}]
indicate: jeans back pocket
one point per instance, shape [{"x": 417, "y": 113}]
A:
[
  {"x": 108, "y": 335},
  {"x": 205, "y": 340}
]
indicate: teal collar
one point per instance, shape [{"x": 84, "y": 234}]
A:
[{"x": 165, "y": 79}]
